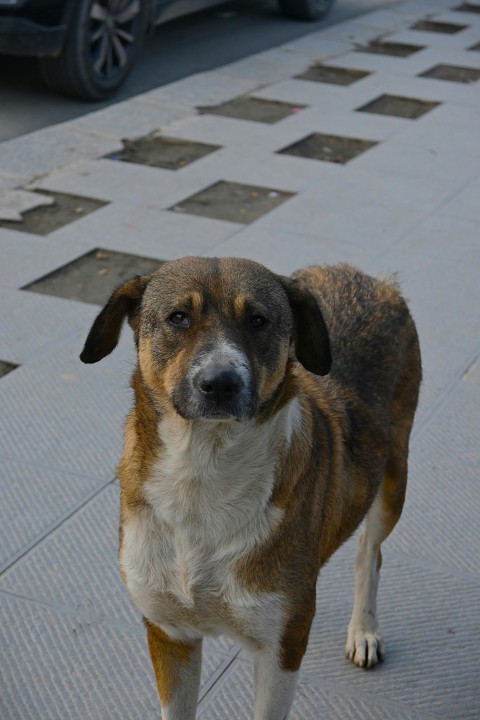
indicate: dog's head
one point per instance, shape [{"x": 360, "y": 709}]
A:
[{"x": 214, "y": 336}]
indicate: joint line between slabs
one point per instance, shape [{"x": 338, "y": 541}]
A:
[{"x": 50, "y": 529}]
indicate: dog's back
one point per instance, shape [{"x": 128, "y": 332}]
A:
[{"x": 370, "y": 329}]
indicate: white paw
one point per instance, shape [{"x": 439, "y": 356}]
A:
[{"x": 364, "y": 647}]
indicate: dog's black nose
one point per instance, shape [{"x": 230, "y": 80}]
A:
[{"x": 220, "y": 385}]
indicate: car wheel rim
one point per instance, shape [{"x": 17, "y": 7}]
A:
[{"x": 112, "y": 31}]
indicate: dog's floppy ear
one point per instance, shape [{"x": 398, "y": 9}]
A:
[
  {"x": 105, "y": 331},
  {"x": 312, "y": 346}
]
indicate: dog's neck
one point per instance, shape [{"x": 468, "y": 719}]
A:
[{"x": 192, "y": 484}]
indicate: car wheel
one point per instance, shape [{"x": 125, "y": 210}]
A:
[
  {"x": 305, "y": 9},
  {"x": 100, "y": 48}
]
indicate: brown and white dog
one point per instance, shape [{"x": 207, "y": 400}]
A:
[{"x": 271, "y": 415}]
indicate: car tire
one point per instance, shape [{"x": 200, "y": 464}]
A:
[
  {"x": 305, "y": 9},
  {"x": 100, "y": 48}
]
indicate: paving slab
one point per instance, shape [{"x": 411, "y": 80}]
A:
[
  {"x": 205, "y": 88},
  {"x": 234, "y": 698},
  {"x": 44, "y": 150},
  {"x": 273, "y": 247},
  {"x": 285, "y": 172},
  {"x": 62, "y": 355},
  {"x": 351, "y": 32},
  {"x": 35, "y": 499},
  {"x": 68, "y": 665},
  {"x": 58, "y": 572},
  {"x": 456, "y": 57},
  {"x": 465, "y": 203},
  {"x": 425, "y": 89},
  {"x": 461, "y": 119},
  {"x": 230, "y": 131},
  {"x": 75, "y": 569},
  {"x": 432, "y": 265},
  {"x": 353, "y": 210},
  {"x": 315, "y": 47},
  {"x": 129, "y": 118},
  {"x": 148, "y": 230},
  {"x": 346, "y": 123},
  {"x": 9, "y": 182},
  {"x": 360, "y": 59},
  {"x": 436, "y": 469},
  {"x": 31, "y": 256},
  {"x": 422, "y": 7},
  {"x": 425, "y": 616},
  {"x": 388, "y": 20},
  {"x": 108, "y": 180},
  {"x": 440, "y": 41},
  {"x": 304, "y": 92},
  {"x": 262, "y": 69},
  {"x": 58, "y": 422},
  {"x": 415, "y": 160},
  {"x": 432, "y": 137},
  {"x": 30, "y": 324},
  {"x": 422, "y": 612}
]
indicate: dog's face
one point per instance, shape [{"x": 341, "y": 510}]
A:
[{"x": 214, "y": 336}]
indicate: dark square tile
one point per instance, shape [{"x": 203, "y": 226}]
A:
[
  {"x": 403, "y": 107},
  {"x": 92, "y": 277},
  {"x": 163, "y": 152},
  {"x": 455, "y": 73},
  {"x": 250, "y": 108},
  {"x": 47, "y": 218},
  {"x": 468, "y": 8},
  {"x": 332, "y": 75},
  {"x": 330, "y": 148},
  {"x": 438, "y": 27},
  {"x": 6, "y": 367},
  {"x": 233, "y": 201},
  {"x": 379, "y": 47}
]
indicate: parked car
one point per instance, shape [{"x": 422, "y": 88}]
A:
[{"x": 88, "y": 47}]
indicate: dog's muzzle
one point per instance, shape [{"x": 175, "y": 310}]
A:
[{"x": 217, "y": 388}]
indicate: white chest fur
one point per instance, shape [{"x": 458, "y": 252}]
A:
[{"x": 208, "y": 505}]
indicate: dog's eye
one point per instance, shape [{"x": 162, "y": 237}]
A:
[
  {"x": 257, "y": 321},
  {"x": 179, "y": 320}
]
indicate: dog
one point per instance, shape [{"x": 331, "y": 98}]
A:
[{"x": 271, "y": 415}]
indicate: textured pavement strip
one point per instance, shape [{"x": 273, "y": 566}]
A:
[{"x": 73, "y": 645}]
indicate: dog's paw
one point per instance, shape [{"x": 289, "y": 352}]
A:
[{"x": 364, "y": 647}]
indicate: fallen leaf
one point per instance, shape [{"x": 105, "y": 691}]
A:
[{"x": 101, "y": 255}]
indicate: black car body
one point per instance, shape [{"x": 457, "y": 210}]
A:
[{"x": 88, "y": 47}]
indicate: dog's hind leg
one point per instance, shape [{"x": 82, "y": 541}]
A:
[
  {"x": 364, "y": 643},
  {"x": 177, "y": 668}
]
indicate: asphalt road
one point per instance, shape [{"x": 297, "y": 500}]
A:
[{"x": 179, "y": 48}]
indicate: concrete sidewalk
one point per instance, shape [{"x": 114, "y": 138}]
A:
[{"x": 73, "y": 645}]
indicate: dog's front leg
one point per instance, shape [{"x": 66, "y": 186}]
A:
[
  {"x": 274, "y": 687},
  {"x": 177, "y": 668}
]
